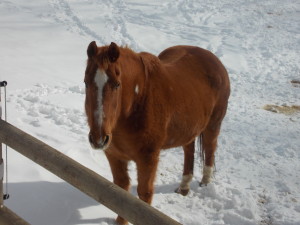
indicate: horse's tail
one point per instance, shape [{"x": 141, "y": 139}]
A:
[{"x": 201, "y": 148}]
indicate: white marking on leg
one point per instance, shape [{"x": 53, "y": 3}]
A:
[
  {"x": 185, "y": 182},
  {"x": 100, "y": 80},
  {"x": 207, "y": 173}
]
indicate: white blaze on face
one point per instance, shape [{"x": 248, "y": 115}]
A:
[{"x": 100, "y": 80}]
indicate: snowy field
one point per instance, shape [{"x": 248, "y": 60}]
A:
[{"x": 42, "y": 57}]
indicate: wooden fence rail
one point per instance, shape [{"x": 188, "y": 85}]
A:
[
  {"x": 87, "y": 181},
  {"x": 8, "y": 217}
]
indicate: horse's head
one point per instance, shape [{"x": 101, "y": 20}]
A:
[{"x": 103, "y": 92}]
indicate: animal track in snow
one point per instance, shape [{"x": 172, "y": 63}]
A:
[
  {"x": 64, "y": 14},
  {"x": 44, "y": 102}
]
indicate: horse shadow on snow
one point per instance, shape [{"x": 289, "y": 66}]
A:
[{"x": 51, "y": 203}]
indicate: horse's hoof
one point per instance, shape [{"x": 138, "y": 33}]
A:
[
  {"x": 205, "y": 181},
  {"x": 183, "y": 192},
  {"x": 202, "y": 184},
  {"x": 121, "y": 221}
]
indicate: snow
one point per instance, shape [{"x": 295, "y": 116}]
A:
[{"x": 43, "y": 54}]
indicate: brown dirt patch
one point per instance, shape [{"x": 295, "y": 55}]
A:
[{"x": 295, "y": 83}]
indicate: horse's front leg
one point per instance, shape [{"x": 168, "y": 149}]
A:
[
  {"x": 146, "y": 169},
  {"x": 120, "y": 176}
]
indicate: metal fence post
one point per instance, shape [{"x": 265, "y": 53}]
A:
[
  {"x": 7, "y": 217},
  {"x": 1, "y": 163}
]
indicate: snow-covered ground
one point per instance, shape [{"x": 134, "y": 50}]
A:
[{"x": 42, "y": 56}]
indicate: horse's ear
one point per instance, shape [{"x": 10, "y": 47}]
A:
[
  {"x": 92, "y": 49},
  {"x": 113, "y": 52}
]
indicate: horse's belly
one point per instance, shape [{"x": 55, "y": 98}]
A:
[
  {"x": 178, "y": 141},
  {"x": 182, "y": 135}
]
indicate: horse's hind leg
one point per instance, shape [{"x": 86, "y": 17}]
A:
[
  {"x": 209, "y": 146},
  {"x": 188, "y": 169}
]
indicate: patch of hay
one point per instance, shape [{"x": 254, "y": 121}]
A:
[{"x": 284, "y": 109}]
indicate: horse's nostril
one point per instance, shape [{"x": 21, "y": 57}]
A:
[
  {"x": 106, "y": 139},
  {"x": 90, "y": 138}
]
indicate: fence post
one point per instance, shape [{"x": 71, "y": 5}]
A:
[
  {"x": 7, "y": 217},
  {"x": 1, "y": 162}
]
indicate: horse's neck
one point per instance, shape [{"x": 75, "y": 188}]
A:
[
  {"x": 133, "y": 82},
  {"x": 147, "y": 85},
  {"x": 142, "y": 77}
]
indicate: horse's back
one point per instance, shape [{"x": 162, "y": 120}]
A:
[
  {"x": 199, "y": 60},
  {"x": 176, "y": 53}
]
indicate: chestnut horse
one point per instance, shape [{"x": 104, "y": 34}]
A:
[{"x": 137, "y": 104}]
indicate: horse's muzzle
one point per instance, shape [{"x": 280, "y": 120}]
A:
[{"x": 101, "y": 144}]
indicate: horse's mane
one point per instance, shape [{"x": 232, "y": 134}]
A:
[
  {"x": 103, "y": 56},
  {"x": 151, "y": 62}
]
